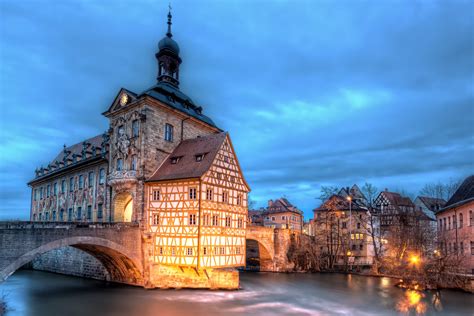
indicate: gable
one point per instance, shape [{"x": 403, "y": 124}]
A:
[
  {"x": 123, "y": 98},
  {"x": 225, "y": 169}
]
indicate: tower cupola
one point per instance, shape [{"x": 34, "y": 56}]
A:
[{"x": 168, "y": 58}]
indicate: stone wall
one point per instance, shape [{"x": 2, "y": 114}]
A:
[
  {"x": 71, "y": 261},
  {"x": 181, "y": 277}
]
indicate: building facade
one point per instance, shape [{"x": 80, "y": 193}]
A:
[
  {"x": 456, "y": 226},
  {"x": 282, "y": 214},
  {"x": 342, "y": 228},
  {"x": 115, "y": 177}
]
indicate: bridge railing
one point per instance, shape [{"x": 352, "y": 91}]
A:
[{"x": 31, "y": 225}]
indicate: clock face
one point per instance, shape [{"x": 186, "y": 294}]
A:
[{"x": 123, "y": 99}]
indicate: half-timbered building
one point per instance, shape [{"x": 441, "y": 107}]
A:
[{"x": 162, "y": 164}]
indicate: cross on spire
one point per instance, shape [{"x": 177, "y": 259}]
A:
[{"x": 169, "y": 21}]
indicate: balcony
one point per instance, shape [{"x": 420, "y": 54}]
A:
[{"x": 122, "y": 178}]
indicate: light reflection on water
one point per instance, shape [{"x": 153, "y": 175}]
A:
[{"x": 39, "y": 293}]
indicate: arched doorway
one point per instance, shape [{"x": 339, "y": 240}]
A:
[
  {"x": 258, "y": 258},
  {"x": 123, "y": 207}
]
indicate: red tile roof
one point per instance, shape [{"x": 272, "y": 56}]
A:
[{"x": 187, "y": 167}]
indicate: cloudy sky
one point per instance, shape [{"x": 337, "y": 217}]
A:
[{"x": 312, "y": 92}]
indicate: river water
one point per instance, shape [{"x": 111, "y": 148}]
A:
[{"x": 40, "y": 293}]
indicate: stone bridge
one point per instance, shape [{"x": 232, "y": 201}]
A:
[
  {"x": 117, "y": 246},
  {"x": 268, "y": 247}
]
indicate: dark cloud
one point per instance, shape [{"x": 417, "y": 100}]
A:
[{"x": 313, "y": 92}]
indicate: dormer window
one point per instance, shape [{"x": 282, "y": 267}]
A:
[
  {"x": 199, "y": 157},
  {"x": 175, "y": 160}
]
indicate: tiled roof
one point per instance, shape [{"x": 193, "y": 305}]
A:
[
  {"x": 397, "y": 200},
  {"x": 76, "y": 149},
  {"x": 187, "y": 167},
  {"x": 280, "y": 206},
  {"x": 432, "y": 203},
  {"x": 177, "y": 100},
  {"x": 463, "y": 194},
  {"x": 340, "y": 203}
]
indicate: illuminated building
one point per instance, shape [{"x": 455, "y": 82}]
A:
[{"x": 163, "y": 164}]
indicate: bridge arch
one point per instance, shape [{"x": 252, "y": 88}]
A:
[
  {"x": 123, "y": 207},
  {"x": 122, "y": 267},
  {"x": 259, "y": 256}
]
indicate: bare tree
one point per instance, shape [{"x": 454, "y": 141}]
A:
[
  {"x": 326, "y": 192},
  {"x": 440, "y": 190},
  {"x": 372, "y": 226}
]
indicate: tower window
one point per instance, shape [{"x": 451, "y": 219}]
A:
[
  {"x": 135, "y": 128},
  {"x": 168, "y": 132}
]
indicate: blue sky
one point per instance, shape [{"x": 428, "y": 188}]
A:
[{"x": 312, "y": 92}]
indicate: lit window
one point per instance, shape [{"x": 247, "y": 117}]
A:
[
  {"x": 101, "y": 176},
  {"x": 81, "y": 181},
  {"x": 91, "y": 179},
  {"x": 168, "y": 132},
  {"x": 192, "y": 193},
  {"x": 215, "y": 220},
  {"x": 225, "y": 197},
  {"x": 206, "y": 219},
  {"x": 156, "y": 219},
  {"x": 156, "y": 195},
  {"x": 209, "y": 194},
  {"x": 192, "y": 219},
  {"x": 135, "y": 128}
]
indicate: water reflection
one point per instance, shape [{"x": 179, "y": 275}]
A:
[
  {"x": 38, "y": 293},
  {"x": 412, "y": 301}
]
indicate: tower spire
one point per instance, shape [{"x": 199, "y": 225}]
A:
[{"x": 169, "y": 22}]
